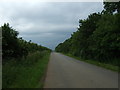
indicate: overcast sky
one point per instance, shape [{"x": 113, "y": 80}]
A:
[{"x": 46, "y": 23}]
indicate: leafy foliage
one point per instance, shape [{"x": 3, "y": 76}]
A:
[{"x": 9, "y": 41}]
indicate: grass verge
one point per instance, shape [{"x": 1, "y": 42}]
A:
[
  {"x": 104, "y": 65},
  {"x": 26, "y": 73}
]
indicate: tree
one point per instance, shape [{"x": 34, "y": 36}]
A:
[
  {"x": 97, "y": 37},
  {"x": 9, "y": 41},
  {"x": 111, "y": 7}
]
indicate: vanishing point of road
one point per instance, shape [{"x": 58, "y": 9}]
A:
[{"x": 66, "y": 72}]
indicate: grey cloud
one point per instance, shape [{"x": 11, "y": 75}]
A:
[{"x": 46, "y": 23}]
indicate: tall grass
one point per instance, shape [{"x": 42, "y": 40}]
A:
[{"x": 26, "y": 72}]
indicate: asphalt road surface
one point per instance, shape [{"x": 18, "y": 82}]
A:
[{"x": 66, "y": 72}]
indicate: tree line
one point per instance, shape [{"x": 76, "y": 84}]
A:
[
  {"x": 16, "y": 47},
  {"x": 97, "y": 37}
]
